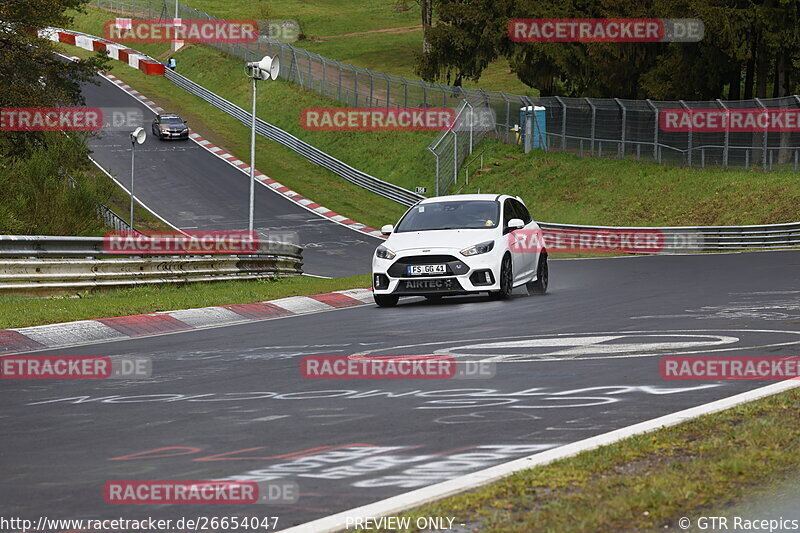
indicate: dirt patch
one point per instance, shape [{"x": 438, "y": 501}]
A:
[{"x": 402, "y": 29}]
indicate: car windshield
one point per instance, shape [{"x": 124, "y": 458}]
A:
[
  {"x": 468, "y": 214},
  {"x": 171, "y": 120}
]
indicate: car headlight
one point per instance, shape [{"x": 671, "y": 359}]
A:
[
  {"x": 482, "y": 248},
  {"x": 385, "y": 253}
]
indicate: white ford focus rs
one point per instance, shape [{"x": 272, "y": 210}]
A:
[{"x": 461, "y": 244}]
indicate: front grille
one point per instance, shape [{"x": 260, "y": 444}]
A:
[
  {"x": 427, "y": 259},
  {"x": 427, "y": 286},
  {"x": 453, "y": 266}
]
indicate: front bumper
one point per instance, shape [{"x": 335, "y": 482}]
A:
[
  {"x": 166, "y": 135},
  {"x": 465, "y": 275}
]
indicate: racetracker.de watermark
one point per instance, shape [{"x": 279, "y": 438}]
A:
[
  {"x": 729, "y": 368},
  {"x": 200, "y": 492},
  {"x": 75, "y": 367},
  {"x": 176, "y": 243},
  {"x": 733, "y": 120},
  {"x": 127, "y": 30},
  {"x": 376, "y": 119},
  {"x": 607, "y": 30},
  {"x": 393, "y": 367},
  {"x": 70, "y": 118},
  {"x": 283, "y": 30},
  {"x": 593, "y": 241}
]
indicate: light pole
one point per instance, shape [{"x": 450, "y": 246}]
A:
[
  {"x": 176, "y": 44},
  {"x": 266, "y": 69},
  {"x": 137, "y": 137}
]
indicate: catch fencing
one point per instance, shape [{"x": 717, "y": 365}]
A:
[{"x": 450, "y": 149}]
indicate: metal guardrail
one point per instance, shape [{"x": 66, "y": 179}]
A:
[
  {"x": 315, "y": 155},
  {"x": 684, "y": 239},
  {"x": 48, "y": 264},
  {"x": 113, "y": 220}
]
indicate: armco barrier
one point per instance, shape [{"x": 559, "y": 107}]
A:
[
  {"x": 49, "y": 264},
  {"x": 687, "y": 239},
  {"x": 316, "y": 156}
]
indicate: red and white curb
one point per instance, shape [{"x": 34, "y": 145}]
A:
[
  {"x": 90, "y": 42},
  {"x": 125, "y": 327}
]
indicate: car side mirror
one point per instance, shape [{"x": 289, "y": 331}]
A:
[
  {"x": 387, "y": 229},
  {"x": 514, "y": 223},
  {"x": 184, "y": 122}
]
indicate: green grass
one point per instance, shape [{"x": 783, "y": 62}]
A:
[
  {"x": 18, "y": 311},
  {"x": 279, "y": 103},
  {"x": 393, "y": 53},
  {"x": 315, "y": 16},
  {"x": 388, "y": 52},
  {"x": 38, "y": 199},
  {"x": 119, "y": 202},
  {"x": 558, "y": 187},
  {"x": 645, "y": 482}
]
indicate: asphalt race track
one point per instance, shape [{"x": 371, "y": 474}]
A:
[
  {"x": 230, "y": 401},
  {"x": 193, "y": 189}
]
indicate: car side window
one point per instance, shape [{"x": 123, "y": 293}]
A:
[
  {"x": 522, "y": 212},
  {"x": 508, "y": 212}
]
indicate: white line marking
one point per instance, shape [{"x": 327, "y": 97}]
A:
[
  {"x": 159, "y": 217},
  {"x": 415, "y": 498}
]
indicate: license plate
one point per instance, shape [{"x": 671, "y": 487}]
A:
[{"x": 421, "y": 270}]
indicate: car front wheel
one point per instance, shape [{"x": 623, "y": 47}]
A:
[
  {"x": 542, "y": 277},
  {"x": 506, "y": 280},
  {"x": 385, "y": 300}
]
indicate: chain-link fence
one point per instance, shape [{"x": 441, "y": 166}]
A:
[
  {"x": 608, "y": 127},
  {"x": 451, "y": 147},
  {"x": 631, "y": 128}
]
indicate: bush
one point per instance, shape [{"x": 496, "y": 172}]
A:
[{"x": 38, "y": 197}]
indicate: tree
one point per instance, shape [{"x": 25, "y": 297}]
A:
[
  {"x": 752, "y": 39},
  {"x": 31, "y": 75},
  {"x": 468, "y": 36}
]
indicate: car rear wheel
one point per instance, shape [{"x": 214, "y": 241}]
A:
[
  {"x": 542, "y": 277},
  {"x": 385, "y": 300},
  {"x": 506, "y": 280}
]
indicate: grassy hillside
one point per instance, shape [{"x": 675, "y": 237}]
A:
[
  {"x": 559, "y": 187},
  {"x": 564, "y": 188},
  {"x": 381, "y": 35}
]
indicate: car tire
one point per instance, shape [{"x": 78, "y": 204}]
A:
[
  {"x": 542, "y": 277},
  {"x": 385, "y": 300},
  {"x": 506, "y": 280}
]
